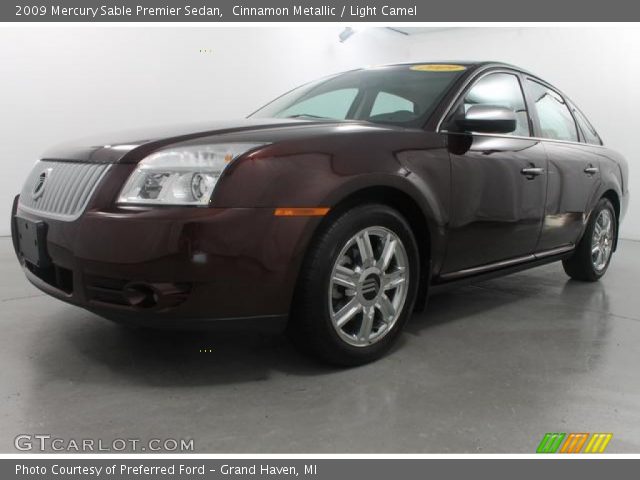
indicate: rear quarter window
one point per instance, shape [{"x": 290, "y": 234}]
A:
[{"x": 588, "y": 132}]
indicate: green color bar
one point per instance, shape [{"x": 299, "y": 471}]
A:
[
  {"x": 558, "y": 442},
  {"x": 550, "y": 442}
]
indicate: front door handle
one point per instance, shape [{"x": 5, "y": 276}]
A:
[
  {"x": 532, "y": 172},
  {"x": 591, "y": 170}
]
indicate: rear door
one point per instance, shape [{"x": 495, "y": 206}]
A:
[
  {"x": 573, "y": 168},
  {"x": 498, "y": 182}
]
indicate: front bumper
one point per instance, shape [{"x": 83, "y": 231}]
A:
[{"x": 173, "y": 267}]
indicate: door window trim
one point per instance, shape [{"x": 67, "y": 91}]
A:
[
  {"x": 575, "y": 112},
  {"x": 471, "y": 84},
  {"x": 567, "y": 105},
  {"x": 521, "y": 75}
]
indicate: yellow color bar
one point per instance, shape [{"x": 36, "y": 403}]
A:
[
  {"x": 301, "y": 212},
  {"x": 598, "y": 442},
  {"x": 605, "y": 442}
]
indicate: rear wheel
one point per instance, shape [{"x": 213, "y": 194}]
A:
[
  {"x": 357, "y": 287},
  {"x": 593, "y": 254}
]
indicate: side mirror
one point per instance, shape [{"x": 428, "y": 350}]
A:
[{"x": 487, "y": 119}]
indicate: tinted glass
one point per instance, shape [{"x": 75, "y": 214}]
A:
[
  {"x": 398, "y": 95},
  {"x": 500, "y": 90},
  {"x": 388, "y": 103},
  {"x": 334, "y": 104},
  {"x": 589, "y": 133},
  {"x": 554, "y": 116}
]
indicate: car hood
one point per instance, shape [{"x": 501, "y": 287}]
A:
[{"x": 132, "y": 145}]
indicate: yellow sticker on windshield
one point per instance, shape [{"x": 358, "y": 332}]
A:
[{"x": 433, "y": 67}]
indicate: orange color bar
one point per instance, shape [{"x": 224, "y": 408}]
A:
[
  {"x": 574, "y": 443},
  {"x": 569, "y": 443},
  {"x": 301, "y": 212},
  {"x": 581, "y": 442}
]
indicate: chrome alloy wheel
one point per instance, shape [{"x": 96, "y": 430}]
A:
[
  {"x": 368, "y": 286},
  {"x": 602, "y": 240}
]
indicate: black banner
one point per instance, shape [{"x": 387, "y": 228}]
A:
[
  {"x": 310, "y": 469},
  {"x": 389, "y": 11}
]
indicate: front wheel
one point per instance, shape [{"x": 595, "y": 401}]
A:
[
  {"x": 593, "y": 254},
  {"x": 357, "y": 287}
]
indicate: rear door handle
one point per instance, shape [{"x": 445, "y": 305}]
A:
[
  {"x": 591, "y": 170},
  {"x": 532, "y": 172}
]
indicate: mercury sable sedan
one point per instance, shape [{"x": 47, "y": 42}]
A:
[{"x": 332, "y": 212}]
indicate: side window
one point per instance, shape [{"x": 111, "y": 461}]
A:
[
  {"x": 387, "y": 103},
  {"x": 554, "y": 116},
  {"x": 500, "y": 90},
  {"x": 590, "y": 135},
  {"x": 334, "y": 104}
]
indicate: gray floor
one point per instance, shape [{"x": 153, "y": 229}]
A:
[{"x": 488, "y": 368}]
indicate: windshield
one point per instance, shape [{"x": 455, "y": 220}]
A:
[{"x": 400, "y": 95}]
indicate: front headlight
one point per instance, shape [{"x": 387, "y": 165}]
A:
[{"x": 181, "y": 176}]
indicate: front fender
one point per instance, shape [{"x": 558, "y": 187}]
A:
[{"x": 327, "y": 179}]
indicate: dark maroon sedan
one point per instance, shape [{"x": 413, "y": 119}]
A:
[{"x": 333, "y": 211}]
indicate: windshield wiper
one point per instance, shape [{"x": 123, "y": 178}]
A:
[{"x": 308, "y": 115}]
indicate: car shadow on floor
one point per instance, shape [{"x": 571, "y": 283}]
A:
[
  {"x": 476, "y": 301},
  {"x": 188, "y": 358},
  {"x": 80, "y": 343}
]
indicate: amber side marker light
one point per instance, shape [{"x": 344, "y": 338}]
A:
[{"x": 301, "y": 212}]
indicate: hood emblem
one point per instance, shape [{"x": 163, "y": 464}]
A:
[{"x": 38, "y": 188}]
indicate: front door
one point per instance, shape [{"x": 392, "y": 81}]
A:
[{"x": 498, "y": 183}]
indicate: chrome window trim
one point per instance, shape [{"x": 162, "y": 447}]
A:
[
  {"x": 489, "y": 70},
  {"x": 538, "y": 139},
  {"x": 463, "y": 88}
]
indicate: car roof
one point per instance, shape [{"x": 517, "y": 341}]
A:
[
  {"x": 471, "y": 67},
  {"x": 464, "y": 63}
]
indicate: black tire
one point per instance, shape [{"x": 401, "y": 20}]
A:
[
  {"x": 580, "y": 265},
  {"x": 311, "y": 328}
]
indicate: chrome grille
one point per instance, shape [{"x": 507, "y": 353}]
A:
[{"x": 61, "y": 189}]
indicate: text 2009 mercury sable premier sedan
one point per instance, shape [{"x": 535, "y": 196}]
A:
[{"x": 333, "y": 211}]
